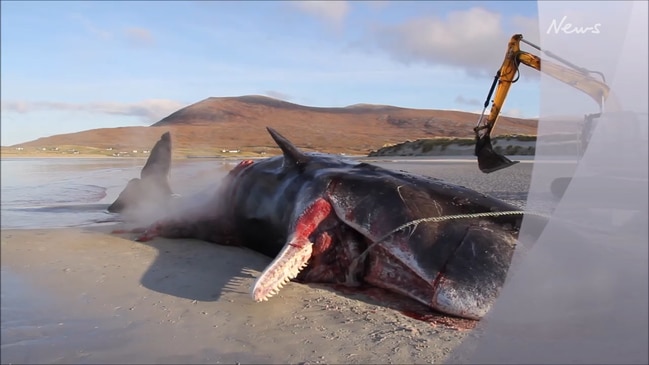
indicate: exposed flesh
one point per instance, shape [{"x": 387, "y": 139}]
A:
[{"x": 294, "y": 256}]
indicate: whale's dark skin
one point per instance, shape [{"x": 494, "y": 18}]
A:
[
  {"x": 153, "y": 184},
  {"x": 326, "y": 219}
]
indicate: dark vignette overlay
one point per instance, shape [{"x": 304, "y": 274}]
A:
[{"x": 577, "y": 291}]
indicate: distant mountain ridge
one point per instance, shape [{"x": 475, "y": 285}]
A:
[
  {"x": 220, "y": 108},
  {"x": 239, "y": 123}
]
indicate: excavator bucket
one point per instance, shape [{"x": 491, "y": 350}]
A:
[{"x": 488, "y": 159}]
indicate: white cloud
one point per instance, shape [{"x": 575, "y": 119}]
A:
[
  {"x": 474, "y": 40},
  {"x": 528, "y": 27},
  {"x": 135, "y": 36},
  {"x": 332, "y": 12},
  {"x": 468, "y": 101},
  {"x": 149, "y": 111},
  {"x": 139, "y": 37},
  {"x": 91, "y": 27}
]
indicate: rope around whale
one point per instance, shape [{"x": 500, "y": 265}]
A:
[
  {"x": 459, "y": 216},
  {"x": 416, "y": 222}
]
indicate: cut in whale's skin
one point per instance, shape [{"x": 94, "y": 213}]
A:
[{"x": 327, "y": 219}]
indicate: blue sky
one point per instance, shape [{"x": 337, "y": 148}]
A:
[{"x": 73, "y": 66}]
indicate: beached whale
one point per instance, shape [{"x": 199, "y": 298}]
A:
[{"x": 327, "y": 219}]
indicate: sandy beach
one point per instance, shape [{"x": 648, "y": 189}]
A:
[{"x": 89, "y": 296}]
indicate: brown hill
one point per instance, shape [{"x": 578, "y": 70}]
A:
[{"x": 238, "y": 123}]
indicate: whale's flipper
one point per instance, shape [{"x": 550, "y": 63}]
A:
[{"x": 153, "y": 185}]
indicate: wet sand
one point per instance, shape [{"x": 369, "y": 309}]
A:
[{"x": 88, "y": 296}]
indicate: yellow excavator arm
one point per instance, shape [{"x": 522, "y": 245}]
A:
[{"x": 580, "y": 78}]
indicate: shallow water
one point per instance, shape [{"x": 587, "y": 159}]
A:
[{"x": 69, "y": 192}]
